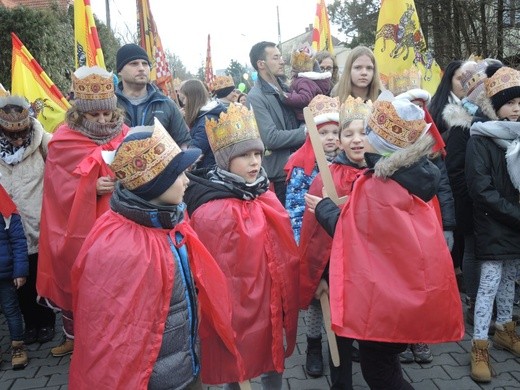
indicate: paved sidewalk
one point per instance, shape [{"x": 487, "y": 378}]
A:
[{"x": 448, "y": 371}]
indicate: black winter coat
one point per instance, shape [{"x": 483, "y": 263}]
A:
[{"x": 496, "y": 203}]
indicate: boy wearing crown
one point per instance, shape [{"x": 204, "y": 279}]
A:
[
  {"x": 247, "y": 230},
  {"x": 134, "y": 297},
  {"x": 390, "y": 270}
]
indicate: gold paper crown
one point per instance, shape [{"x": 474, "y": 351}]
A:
[
  {"x": 404, "y": 81},
  {"x": 14, "y": 121},
  {"x": 474, "y": 77},
  {"x": 354, "y": 108},
  {"x": 92, "y": 83},
  {"x": 236, "y": 125},
  {"x": 324, "y": 109},
  {"x": 503, "y": 78},
  {"x": 138, "y": 161},
  {"x": 302, "y": 59},
  {"x": 3, "y": 91},
  {"x": 386, "y": 122},
  {"x": 221, "y": 82}
]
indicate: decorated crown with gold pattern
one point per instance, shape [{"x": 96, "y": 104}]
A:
[
  {"x": 92, "y": 83},
  {"x": 504, "y": 78},
  {"x": 324, "y": 109},
  {"x": 354, "y": 108},
  {"x": 386, "y": 122},
  {"x": 302, "y": 59},
  {"x": 14, "y": 113},
  {"x": 404, "y": 81},
  {"x": 235, "y": 125},
  {"x": 139, "y": 161},
  {"x": 221, "y": 82}
]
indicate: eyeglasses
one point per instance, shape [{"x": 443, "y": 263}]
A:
[{"x": 326, "y": 68}]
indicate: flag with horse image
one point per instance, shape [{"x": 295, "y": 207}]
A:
[
  {"x": 28, "y": 79},
  {"x": 400, "y": 46}
]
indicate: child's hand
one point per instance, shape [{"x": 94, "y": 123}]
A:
[
  {"x": 19, "y": 282},
  {"x": 105, "y": 185},
  {"x": 311, "y": 201},
  {"x": 323, "y": 288}
]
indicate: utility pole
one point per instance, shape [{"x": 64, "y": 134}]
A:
[
  {"x": 279, "y": 33},
  {"x": 107, "y": 6}
]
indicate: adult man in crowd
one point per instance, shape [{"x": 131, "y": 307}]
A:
[
  {"x": 143, "y": 101},
  {"x": 277, "y": 123}
]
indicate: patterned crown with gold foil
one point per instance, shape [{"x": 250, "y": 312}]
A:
[
  {"x": 95, "y": 85},
  {"x": 221, "y": 82},
  {"x": 137, "y": 162},
  {"x": 503, "y": 78},
  {"x": 302, "y": 59},
  {"x": 386, "y": 122},
  {"x": 404, "y": 81},
  {"x": 13, "y": 120},
  {"x": 353, "y": 109},
  {"x": 235, "y": 125},
  {"x": 474, "y": 77},
  {"x": 324, "y": 109}
]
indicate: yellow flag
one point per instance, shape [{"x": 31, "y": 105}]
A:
[
  {"x": 86, "y": 41},
  {"x": 321, "y": 38},
  {"x": 400, "y": 48},
  {"x": 28, "y": 79}
]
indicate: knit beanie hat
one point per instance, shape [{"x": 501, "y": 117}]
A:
[
  {"x": 324, "y": 109},
  {"x": 14, "y": 114},
  {"x": 502, "y": 85},
  {"x": 394, "y": 123},
  {"x": 128, "y": 53},
  {"x": 148, "y": 161},
  {"x": 222, "y": 86},
  {"x": 93, "y": 89},
  {"x": 472, "y": 80},
  {"x": 234, "y": 134}
]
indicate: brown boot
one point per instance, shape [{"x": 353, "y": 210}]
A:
[
  {"x": 480, "y": 367},
  {"x": 64, "y": 348},
  {"x": 19, "y": 358},
  {"x": 506, "y": 338}
]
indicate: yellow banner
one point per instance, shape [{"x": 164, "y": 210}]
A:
[
  {"x": 86, "y": 41},
  {"x": 321, "y": 38},
  {"x": 400, "y": 48}
]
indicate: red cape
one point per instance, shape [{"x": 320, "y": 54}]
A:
[
  {"x": 304, "y": 157},
  {"x": 7, "y": 206},
  {"x": 252, "y": 242},
  {"x": 70, "y": 207},
  {"x": 391, "y": 274},
  {"x": 315, "y": 243},
  {"x": 123, "y": 281}
]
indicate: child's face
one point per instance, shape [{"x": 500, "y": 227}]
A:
[
  {"x": 175, "y": 193},
  {"x": 353, "y": 141},
  {"x": 362, "y": 72},
  {"x": 510, "y": 110},
  {"x": 247, "y": 165},
  {"x": 329, "y": 137}
]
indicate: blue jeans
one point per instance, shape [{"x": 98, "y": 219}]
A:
[{"x": 11, "y": 309}]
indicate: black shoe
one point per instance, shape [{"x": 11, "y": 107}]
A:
[
  {"x": 30, "y": 336},
  {"x": 355, "y": 354},
  {"x": 45, "y": 334},
  {"x": 314, "y": 361}
]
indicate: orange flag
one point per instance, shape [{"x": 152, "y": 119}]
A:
[
  {"x": 209, "y": 76},
  {"x": 321, "y": 38},
  {"x": 151, "y": 42},
  {"x": 86, "y": 41},
  {"x": 400, "y": 48},
  {"x": 30, "y": 80}
]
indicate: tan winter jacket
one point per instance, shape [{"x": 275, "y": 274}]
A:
[{"x": 24, "y": 183}]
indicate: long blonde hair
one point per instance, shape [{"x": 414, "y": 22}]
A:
[{"x": 343, "y": 88}]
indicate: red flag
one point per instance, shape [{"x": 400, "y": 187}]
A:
[
  {"x": 86, "y": 41},
  {"x": 151, "y": 42},
  {"x": 209, "y": 76},
  {"x": 28, "y": 79},
  {"x": 321, "y": 38}
]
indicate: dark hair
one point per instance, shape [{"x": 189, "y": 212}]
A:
[
  {"x": 257, "y": 52},
  {"x": 441, "y": 95}
]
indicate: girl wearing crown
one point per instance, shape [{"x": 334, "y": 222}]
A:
[
  {"x": 248, "y": 232},
  {"x": 77, "y": 187}
]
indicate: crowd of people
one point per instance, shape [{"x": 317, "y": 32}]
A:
[{"x": 180, "y": 242}]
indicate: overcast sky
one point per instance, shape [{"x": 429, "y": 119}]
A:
[{"x": 234, "y": 25}]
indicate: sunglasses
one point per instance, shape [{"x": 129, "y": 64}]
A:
[{"x": 16, "y": 135}]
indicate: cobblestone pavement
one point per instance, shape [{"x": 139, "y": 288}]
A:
[{"x": 448, "y": 371}]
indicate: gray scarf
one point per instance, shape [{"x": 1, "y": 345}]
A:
[{"x": 507, "y": 136}]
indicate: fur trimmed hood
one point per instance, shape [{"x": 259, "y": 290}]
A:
[
  {"x": 315, "y": 75},
  {"x": 456, "y": 116},
  {"x": 486, "y": 106},
  {"x": 387, "y": 166}
]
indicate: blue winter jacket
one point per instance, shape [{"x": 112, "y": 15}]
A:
[{"x": 14, "y": 262}]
